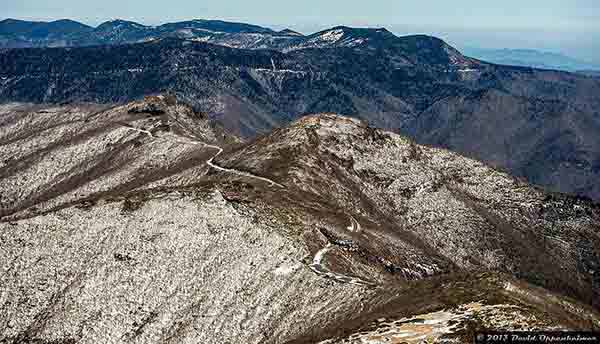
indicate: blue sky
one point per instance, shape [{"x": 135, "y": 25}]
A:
[{"x": 569, "y": 26}]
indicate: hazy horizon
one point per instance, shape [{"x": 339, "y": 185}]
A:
[{"x": 570, "y": 28}]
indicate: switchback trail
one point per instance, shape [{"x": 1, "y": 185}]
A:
[
  {"x": 354, "y": 225},
  {"x": 234, "y": 171},
  {"x": 210, "y": 161},
  {"x": 317, "y": 263},
  {"x": 318, "y": 267},
  {"x": 143, "y": 131}
]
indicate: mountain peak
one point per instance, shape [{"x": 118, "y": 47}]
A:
[
  {"x": 121, "y": 23},
  {"x": 412, "y": 50},
  {"x": 70, "y": 25},
  {"x": 10, "y": 20},
  {"x": 118, "y": 30},
  {"x": 358, "y": 31},
  {"x": 345, "y": 36},
  {"x": 290, "y": 32},
  {"x": 66, "y": 21},
  {"x": 228, "y": 27}
]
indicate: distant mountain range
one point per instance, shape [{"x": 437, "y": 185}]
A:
[
  {"x": 67, "y": 33},
  {"x": 538, "y": 124},
  {"x": 530, "y": 58},
  {"x": 595, "y": 73}
]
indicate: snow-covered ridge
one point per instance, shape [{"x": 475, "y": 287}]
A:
[
  {"x": 330, "y": 36},
  {"x": 121, "y": 24},
  {"x": 345, "y": 37},
  {"x": 240, "y": 36},
  {"x": 338, "y": 37}
]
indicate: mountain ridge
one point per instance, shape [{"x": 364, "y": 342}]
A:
[
  {"x": 238, "y": 35},
  {"x": 119, "y": 31},
  {"x": 191, "y": 240}
]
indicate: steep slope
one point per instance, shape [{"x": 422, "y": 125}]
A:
[
  {"x": 465, "y": 304},
  {"x": 216, "y": 77},
  {"x": 440, "y": 202},
  {"x": 536, "y": 124},
  {"x": 144, "y": 223},
  {"x": 53, "y": 157}
]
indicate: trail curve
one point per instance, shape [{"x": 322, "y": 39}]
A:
[{"x": 317, "y": 264}]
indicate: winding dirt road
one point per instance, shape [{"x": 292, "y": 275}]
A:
[
  {"x": 143, "y": 131},
  {"x": 233, "y": 171},
  {"x": 318, "y": 267},
  {"x": 317, "y": 263},
  {"x": 210, "y": 162},
  {"x": 354, "y": 225}
]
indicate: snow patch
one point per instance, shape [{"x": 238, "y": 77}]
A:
[
  {"x": 319, "y": 256},
  {"x": 202, "y": 39},
  {"x": 279, "y": 71},
  {"x": 428, "y": 327},
  {"x": 287, "y": 269},
  {"x": 332, "y": 36},
  {"x": 186, "y": 32}
]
